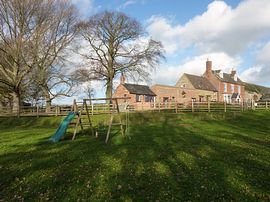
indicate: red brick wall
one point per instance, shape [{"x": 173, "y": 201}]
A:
[
  {"x": 121, "y": 91},
  {"x": 177, "y": 92}
]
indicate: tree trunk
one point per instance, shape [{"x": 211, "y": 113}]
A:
[
  {"x": 16, "y": 107},
  {"x": 48, "y": 101},
  {"x": 109, "y": 87}
]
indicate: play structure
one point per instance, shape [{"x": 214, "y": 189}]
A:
[{"x": 84, "y": 112}]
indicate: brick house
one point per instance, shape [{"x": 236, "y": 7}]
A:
[
  {"x": 255, "y": 92},
  {"x": 188, "y": 87},
  {"x": 229, "y": 87},
  {"x": 138, "y": 94},
  {"x": 197, "y": 88}
]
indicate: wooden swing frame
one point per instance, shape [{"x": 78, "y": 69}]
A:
[{"x": 113, "y": 111}]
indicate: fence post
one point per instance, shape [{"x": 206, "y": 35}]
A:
[
  {"x": 192, "y": 105},
  {"x": 242, "y": 106},
  {"x": 92, "y": 108},
  {"x": 37, "y": 111},
  {"x": 208, "y": 105},
  {"x": 176, "y": 110},
  {"x": 266, "y": 105},
  {"x": 159, "y": 107},
  {"x": 225, "y": 106}
]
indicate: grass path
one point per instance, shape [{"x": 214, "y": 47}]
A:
[{"x": 197, "y": 157}]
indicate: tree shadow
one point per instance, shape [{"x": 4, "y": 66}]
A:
[{"x": 166, "y": 159}]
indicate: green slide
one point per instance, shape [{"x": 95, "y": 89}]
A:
[{"x": 62, "y": 127}]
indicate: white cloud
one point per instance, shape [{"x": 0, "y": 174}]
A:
[
  {"x": 195, "y": 65},
  {"x": 264, "y": 54},
  {"x": 260, "y": 72},
  {"x": 85, "y": 7},
  {"x": 219, "y": 28},
  {"x": 161, "y": 29}
]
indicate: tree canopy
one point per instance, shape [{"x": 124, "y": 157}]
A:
[{"x": 116, "y": 44}]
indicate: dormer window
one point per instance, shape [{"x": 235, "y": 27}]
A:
[
  {"x": 235, "y": 77},
  {"x": 221, "y": 74}
]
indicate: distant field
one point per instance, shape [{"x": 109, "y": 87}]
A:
[{"x": 169, "y": 157}]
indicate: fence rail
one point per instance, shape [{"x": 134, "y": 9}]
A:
[{"x": 101, "y": 108}]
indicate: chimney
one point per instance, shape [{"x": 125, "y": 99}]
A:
[
  {"x": 208, "y": 68},
  {"x": 122, "y": 79},
  {"x": 233, "y": 74}
]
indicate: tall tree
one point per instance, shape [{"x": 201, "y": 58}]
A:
[
  {"x": 52, "y": 39},
  {"x": 33, "y": 37},
  {"x": 116, "y": 45}
]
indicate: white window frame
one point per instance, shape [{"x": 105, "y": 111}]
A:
[
  {"x": 225, "y": 87},
  {"x": 139, "y": 98}
]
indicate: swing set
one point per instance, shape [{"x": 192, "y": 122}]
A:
[{"x": 110, "y": 107}]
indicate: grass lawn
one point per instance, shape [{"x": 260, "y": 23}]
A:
[{"x": 184, "y": 157}]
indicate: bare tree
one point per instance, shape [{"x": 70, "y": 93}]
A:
[
  {"x": 51, "y": 41},
  {"x": 33, "y": 37},
  {"x": 116, "y": 45},
  {"x": 15, "y": 34}
]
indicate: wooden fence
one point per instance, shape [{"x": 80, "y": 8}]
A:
[{"x": 99, "y": 108}]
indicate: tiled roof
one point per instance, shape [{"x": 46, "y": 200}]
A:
[
  {"x": 139, "y": 89},
  {"x": 227, "y": 77},
  {"x": 265, "y": 97},
  {"x": 200, "y": 82},
  {"x": 256, "y": 88},
  {"x": 162, "y": 85}
]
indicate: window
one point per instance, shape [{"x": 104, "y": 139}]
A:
[
  {"x": 148, "y": 98},
  {"x": 232, "y": 88},
  {"x": 239, "y": 89},
  {"x": 201, "y": 98},
  {"x": 225, "y": 87},
  {"x": 138, "y": 98},
  {"x": 165, "y": 99},
  {"x": 183, "y": 85}
]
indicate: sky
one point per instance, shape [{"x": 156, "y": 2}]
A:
[{"x": 232, "y": 34}]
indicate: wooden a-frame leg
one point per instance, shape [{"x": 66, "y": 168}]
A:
[
  {"x": 109, "y": 129},
  {"x": 76, "y": 126},
  {"x": 121, "y": 126}
]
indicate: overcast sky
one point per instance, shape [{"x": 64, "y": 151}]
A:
[{"x": 231, "y": 33}]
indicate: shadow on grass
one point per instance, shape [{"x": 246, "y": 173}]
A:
[{"x": 168, "y": 158}]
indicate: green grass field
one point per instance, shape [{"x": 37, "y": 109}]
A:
[{"x": 169, "y": 157}]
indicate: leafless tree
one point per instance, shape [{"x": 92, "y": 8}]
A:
[
  {"x": 33, "y": 37},
  {"x": 51, "y": 41},
  {"x": 117, "y": 45}
]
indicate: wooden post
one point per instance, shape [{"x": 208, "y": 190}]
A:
[
  {"x": 176, "y": 110},
  {"x": 208, "y": 105},
  {"x": 192, "y": 105},
  {"x": 37, "y": 111},
  {"x": 266, "y": 105},
  {"x": 159, "y": 106},
  {"x": 225, "y": 106},
  {"x": 92, "y": 108},
  {"x": 56, "y": 110},
  {"x": 242, "y": 106}
]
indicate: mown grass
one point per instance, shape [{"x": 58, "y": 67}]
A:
[{"x": 169, "y": 157}]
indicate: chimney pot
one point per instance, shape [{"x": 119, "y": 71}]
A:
[{"x": 122, "y": 79}]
